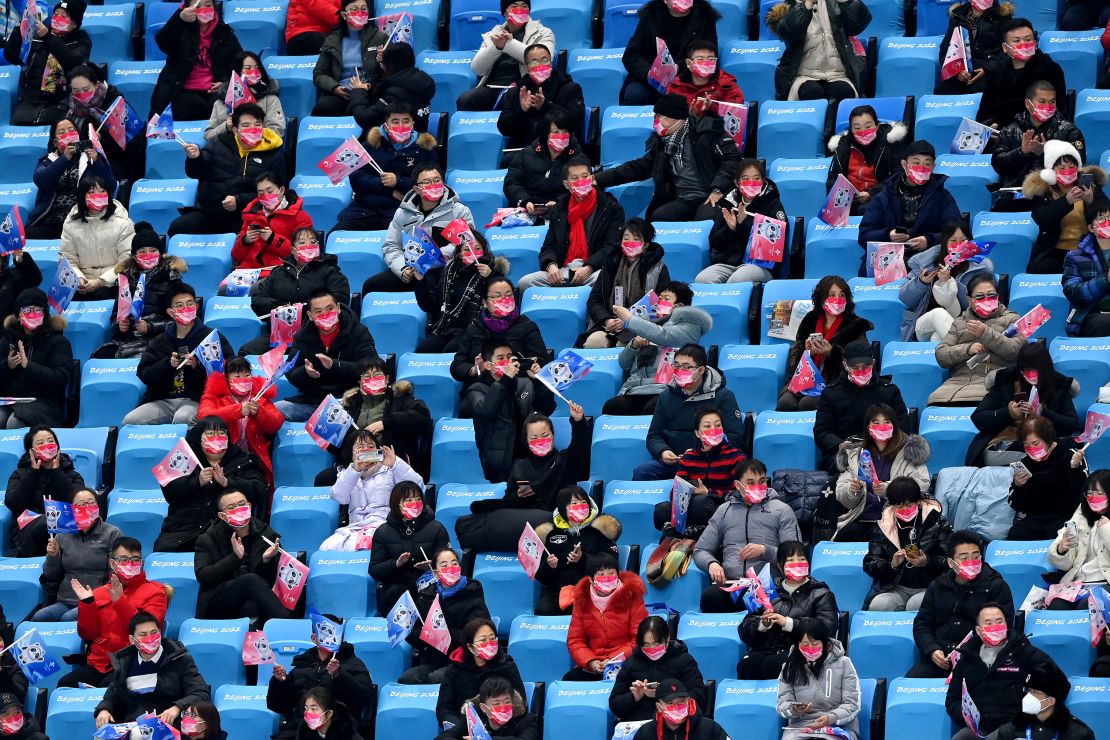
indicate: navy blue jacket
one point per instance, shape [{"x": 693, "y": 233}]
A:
[
  {"x": 885, "y": 212},
  {"x": 372, "y": 199},
  {"x": 48, "y": 172}
]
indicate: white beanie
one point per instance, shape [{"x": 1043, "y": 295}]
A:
[{"x": 1053, "y": 151}]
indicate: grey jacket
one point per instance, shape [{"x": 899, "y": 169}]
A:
[
  {"x": 83, "y": 556},
  {"x": 914, "y": 294},
  {"x": 409, "y": 215},
  {"x": 687, "y": 325},
  {"x": 736, "y": 524},
  {"x": 834, "y": 692}
]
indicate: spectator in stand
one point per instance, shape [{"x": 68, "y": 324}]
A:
[
  {"x": 691, "y": 161},
  {"x": 308, "y": 24},
  {"x": 152, "y": 674},
  {"x": 702, "y": 82},
  {"x": 498, "y": 320},
  {"x": 193, "y": 498},
  {"x": 325, "y": 716},
  {"x": 17, "y": 273},
  {"x": 54, "y": 51},
  {"x": 1083, "y": 15},
  {"x": 745, "y": 532},
  {"x": 820, "y": 61},
  {"x": 502, "y": 711},
  {"x": 678, "y": 24},
  {"x": 12, "y": 678},
  {"x": 1043, "y": 712},
  {"x": 906, "y": 551},
  {"x": 454, "y": 302},
  {"x": 402, "y": 544},
  {"x": 201, "y": 721},
  {"x": 952, "y": 603},
  {"x": 1019, "y": 146},
  {"x": 227, "y": 168},
  {"x": 983, "y": 21},
  {"x": 540, "y": 90},
  {"x": 829, "y": 327},
  {"x": 15, "y": 723},
  {"x": 677, "y": 716},
  {"x": 43, "y": 471},
  {"x": 1081, "y": 551},
  {"x": 841, "y": 412},
  {"x": 819, "y": 687},
  {"x": 58, "y": 176},
  {"x": 1049, "y": 490},
  {"x": 1087, "y": 276},
  {"x": 401, "y": 82},
  {"x": 200, "y": 49},
  {"x": 607, "y": 613},
  {"x": 96, "y": 235},
  {"x": 729, "y": 259},
  {"x": 173, "y": 375},
  {"x": 1010, "y": 73},
  {"x": 537, "y": 172},
  {"x": 867, "y": 154},
  {"x": 269, "y": 222},
  {"x": 502, "y": 58},
  {"x": 656, "y": 658},
  {"x": 90, "y": 97},
  {"x": 265, "y": 90},
  {"x": 38, "y": 363},
  {"x": 980, "y": 330},
  {"x": 771, "y": 633},
  {"x": 1008, "y": 403},
  {"x": 349, "y": 50},
  {"x": 80, "y": 557},
  {"x": 397, "y": 149},
  {"x": 103, "y": 612},
  {"x": 481, "y": 659},
  {"x": 576, "y": 532},
  {"x": 1060, "y": 195}
]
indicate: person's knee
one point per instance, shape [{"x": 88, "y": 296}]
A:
[
  {"x": 596, "y": 340},
  {"x": 886, "y": 602},
  {"x": 187, "y": 414},
  {"x": 913, "y": 603}
]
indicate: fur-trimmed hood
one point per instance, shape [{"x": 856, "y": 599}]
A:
[
  {"x": 1004, "y": 10},
  {"x": 631, "y": 590},
  {"x": 1039, "y": 184},
  {"x": 895, "y": 132},
  {"x": 400, "y": 388},
  {"x": 57, "y": 322},
  {"x": 607, "y": 525},
  {"x": 176, "y": 264},
  {"x": 776, "y": 14},
  {"x": 915, "y": 451},
  {"x": 692, "y": 315},
  {"x": 377, "y": 139},
  {"x": 519, "y": 707}
]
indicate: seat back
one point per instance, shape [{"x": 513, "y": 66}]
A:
[
  {"x": 759, "y": 371},
  {"x": 217, "y": 647},
  {"x": 747, "y": 708},
  {"x": 840, "y": 566},
  {"x": 784, "y": 439},
  {"x": 618, "y": 446},
  {"x": 339, "y": 583},
  {"x": 949, "y": 432},
  {"x": 881, "y": 643}
]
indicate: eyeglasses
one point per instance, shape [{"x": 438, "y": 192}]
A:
[
  {"x": 685, "y": 367},
  {"x": 499, "y": 296},
  {"x": 538, "y": 62},
  {"x": 426, "y": 183},
  {"x": 701, "y": 58},
  {"x": 128, "y": 561}
]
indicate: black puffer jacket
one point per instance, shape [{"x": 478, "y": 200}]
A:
[
  {"x": 499, "y": 408},
  {"x": 1011, "y": 163},
  {"x": 560, "y": 92},
  {"x": 406, "y": 418},
  {"x": 523, "y": 336},
  {"x": 696, "y": 727},
  {"x": 950, "y": 610},
  {"x": 984, "y": 33},
  {"x": 1049, "y": 207},
  {"x": 409, "y": 85},
  {"x": 728, "y": 247},
  {"x": 421, "y": 538},
  {"x": 884, "y": 153},
  {"x": 343, "y": 727},
  {"x": 49, "y": 364},
  {"x": 654, "y": 275},
  {"x": 286, "y": 284},
  {"x": 676, "y": 663},
  {"x": 69, "y": 52},
  {"x": 840, "y": 413},
  {"x": 598, "y": 534},
  {"x": 656, "y": 21},
  {"x": 180, "y": 42},
  {"x": 603, "y": 232},
  {"x": 1062, "y": 725},
  {"x": 16, "y": 277},
  {"x": 463, "y": 679},
  {"x": 155, "y": 302},
  {"x": 557, "y": 469},
  {"x": 179, "y": 683},
  {"x": 996, "y": 691},
  {"x": 353, "y": 345},
  {"x": 469, "y": 602},
  {"x": 851, "y": 329},
  {"x": 223, "y": 172},
  {"x": 801, "y": 491},
  {"x": 929, "y": 531},
  {"x": 812, "y": 599},
  {"x": 534, "y": 177},
  {"x": 453, "y": 303},
  {"x": 29, "y": 731},
  {"x": 790, "y": 22},
  {"x": 159, "y": 376},
  {"x": 351, "y": 686},
  {"x": 27, "y": 487},
  {"x": 992, "y": 416},
  {"x": 216, "y": 564}
]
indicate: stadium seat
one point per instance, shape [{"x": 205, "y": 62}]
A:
[
  {"x": 601, "y": 383},
  {"x": 932, "y": 18},
  {"x": 233, "y": 318},
  {"x": 322, "y": 200},
  {"x": 781, "y": 290},
  {"x": 469, "y": 19},
  {"x": 520, "y": 245},
  {"x": 208, "y": 257},
  {"x": 1087, "y": 701},
  {"x": 175, "y": 569},
  {"x": 968, "y": 177},
  {"x": 680, "y": 595},
  {"x": 559, "y": 312},
  {"x": 569, "y": 21},
  {"x": 685, "y": 247},
  {"x": 748, "y": 708},
  {"x": 157, "y": 201},
  {"x": 297, "y": 458},
  {"x": 938, "y": 116},
  {"x": 1026, "y": 291},
  {"x": 915, "y": 709},
  {"x": 913, "y": 368},
  {"x": 1079, "y": 54},
  {"x": 618, "y": 446},
  {"x": 634, "y": 197},
  {"x": 476, "y": 144},
  {"x": 140, "y": 448},
  {"x": 509, "y": 591},
  {"x": 243, "y": 712},
  {"x": 19, "y": 194},
  {"x": 482, "y": 191},
  {"x": 260, "y": 21},
  {"x": 406, "y": 711},
  {"x": 44, "y": 251},
  {"x": 887, "y": 19},
  {"x": 1065, "y": 635},
  {"x": 633, "y": 503},
  {"x": 600, "y": 72},
  {"x": 1014, "y": 234},
  {"x": 728, "y": 304},
  {"x": 359, "y": 253},
  {"x": 1092, "y": 113},
  {"x": 539, "y": 646},
  {"x": 583, "y": 706},
  {"x": 318, "y": 137},
  {"x": 296, "y": 89},
  {"x": 136, "y": 80},
  {"x": 289, "y": 638},
  {"x": 339, "y": 583},
  {"x": 165, "y": 159},
  {"x": 87, "y": 447},
  {"x": 217, "y": 647},
  {"x": 88, "y": 326},
  {"x": 880, "y": 305},
  {"x": 22, "y": 146},
  {"x": 754, "y": 64},
  {"x": 832, "y": 250},
  {"x": 840, "y": 566},
  {"x": 757, "y": 372},
  {"x": 138, "y": 511},
  {"x": 454, "y": 456},
  {"x": 785, "y": 440},
  {"x": 453, "y": 500},
  {"x": 1086, "y": 360},
  {"x": 949, "y": 432},
  {"x": 71, "y": 712},
  {"x": 713, "y": 641},
  {"x": 60, "y": 639},
  {"x": 1020, "y": 563},
  {"x": 430, "y": 374},
  {"x": 882, "y": 643},
  {"x": 624, "y": 131},
  {"x": 155, "y": 18},
  {"x": 451, "y": 72},
  {"x": 304, "y": 516},
  {"x": 426, "y": 14},
  {"x": 891, "y": 109},
  {"x": 801, "y": 184},
  {"x": 791, "y": 129},
  {"x": 9, "y": 91},
  {"x": 395, "y": 321},
  {"x": 909, "y": 66},
  {"x": 369, "y": 638},
  {"x": 620, "y": 18}
]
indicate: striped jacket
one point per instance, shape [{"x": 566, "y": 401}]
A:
[{"x": 1085, "y": 281}]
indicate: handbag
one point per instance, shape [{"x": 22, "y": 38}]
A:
[{"x": 827, "y": 514}]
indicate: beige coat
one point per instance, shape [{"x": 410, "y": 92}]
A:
[
  {"x": 910, "y": 462},
  {"x": 1073, "y": 560},
  {"x": 487, "y": 55},
  {"x": 96, "y": 246},
  {"x": 967, "y": 386}
]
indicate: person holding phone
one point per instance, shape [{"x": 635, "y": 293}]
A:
[
  {"x": 57, "y": 45},
  {"x": 1081, "y": 550},
  {"x": 536, "y": 173},
  {"x": 57, "y": 178},
  {"x": 43, "y": 471},
  {"x": 658, "y": 656},
  {"x": 403, "y": 544},
  {"x": 1049, "y": 494},
  {"x": 1060, "y": 195},
  {"x": 269, "y": 223},
  {"x": 498, "y": 320},
  {"x": 819, "y": 686}
]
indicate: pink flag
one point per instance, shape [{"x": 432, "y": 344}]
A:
[
  {"x": 123, "y": 304},
  {"x": 458, "y": 232},
  {"x": 180, "y": 462},
  {"x": 735, "y": 117},
  {"x": 349, "y": 157},
  {"x": 26, "y": 518},
  {"x": 1033, "y": 320},
  {"x": 94, "y": 137},
  {"x": 955, "y": 59},
  {"x": 838, "y": 205},
  {"x": 272, "y": 360},
  {"x": 435, "y": 632},
  {"x": 767, "y": 240},
  {"x": 663, "y": 69},
  {"x": 528, "y": 550},
  {"x": 1035, "y": 401},
  {"x": 291, "y": 577},
  {"x": 237, "y": 93},
  {"x": 1096, "y": 610},
  {"x": 114, "y": 120},
  {"x": 807, "y": 377},
  {"x": 664, "y": 372},
  {"x": 1066, "y": 591},
  {"x": 365, "y": 539},
  {"x": 1094, "y": 428},
  {"x": 285, "y": 322},
  {"x": 887, "y": 263},
  {"x": 760, "y": 593},
  {"x": 256, "y": 649}
]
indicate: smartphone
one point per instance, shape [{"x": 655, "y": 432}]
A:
[
  {"x": 371, "y": 456},
  {"x": 1073, "y": 533},
  {"x": 1086, "y": 181},
  {"x": 360, "y": 73},
  {"x": 651, "y": 685},
  {"x": 901, "y": 230},
  {"x": 1021, "y": 397},
  {"x": 524, "y": 488},
  {"x": 1019, "y": 467},
  {"x": 912, "y": 550}
]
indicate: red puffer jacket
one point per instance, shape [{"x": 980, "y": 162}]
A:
[
  {"x": 104, "y": 622},
  {"x": 306, "y": 16},
  {"x": 261, "y": 428},
  {"x": 600, "y": 636},
  {"x": 255, "y": 252}
]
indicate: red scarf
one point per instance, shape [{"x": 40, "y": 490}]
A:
[
  {"x": 577, "y": 212},
  {"x": 828, "y": 332}
]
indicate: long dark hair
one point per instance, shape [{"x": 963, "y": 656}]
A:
[
  {"x": 207, "y": 711},
  {"x": 83, "y": 189},
  {"x": 1035, "y": 356},
  {"x": 794, "y": 671},
  {"x": 237, "y": 65},
  {"x": 1101, "y": 478},
  {"x": 897, "y": 440},
  {"x": 821, "y": 292},
  {"x": 949, "y": 228}
]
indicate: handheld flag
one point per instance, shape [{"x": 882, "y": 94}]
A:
[
  {"x": 329, "y": 634},
  {"x": 12, "y": 236},
  {"x": 59, "y": 517},
  {"x": 138, "y": 298},
  {"x": 329, "y": 423},
  {"x": 279, "y": 371},
  {"x": 435, "y": 632},
  {"x": 767, "y": 240},
  {"x": 27, "y": 26},
  {"x": 180, "y": 461},
  {"x": 887, "y": 263},
  {"x": 401, "y": 619},
  {"x": 402, "y": 30},
  {"x": 211, "y": 353},
  {"x": 663, "y": 69},
  {"x": 122, "y": 121},
  {"x": 26, "y": 518},
  {"x": 972, "y": 251},
  {"x": 1098, "y": 605},
  {"x": 387, "y": 24},
  {"x": 421, "y": 253},
  {"x": 664, "y": 370},
  {"x": 474, "y": 727},
  {"x": 1069, "y": 592},
  {"x": 567, "y": 369},
  {"x": 94, "y": 139},
  {"x": 64, "y": 286},
  {"x": 238, "y": 283},
  {"x": 33, "y": 658},
  {"x": 1028, "y": 324},
  {"x": 285, "y": 322},
  {"x": 150, "y": 726},
  {"x": 761, "y": 591},
  {"x": 528, "y": 549},
  {"x": 272, "y": 360},
  {"x": 458, "y": 232},
  {"x": 256, "y": 649},
  {"x": 807, "y": 378},
  {"x": 347, "y": 158},
  {"x": 681, "y": 493},
  {"x": 161, "y": 125},
  {"x": 971, "y": 138},
  {"x": 123, "y": 300},
  {"x": 114, "y": 732},
  {"x": 507, "y": 218},
  {"x": 645, "y": 307},
  {"x": 1094, "y": 428},
  {"x": 612, "y": 668},
  {"x": 238, "y": 92},
  {"x": 292, "y": 575},
  {"x": 968, "y": 709},
  {"x": 866, "y": 471},
  {"x": 838, "y": 205},
  {"x": 956, "y": 58},
  {"x": 1035, "y": 401},
  {"x": 735, "y": 117}
]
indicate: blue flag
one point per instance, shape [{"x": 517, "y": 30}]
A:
[
  {"x": 138, "y": 298},
  {"x": 33, "y": 658},
  {"x": 12, "y": 236},
  {"x": 64, "y": 287},
  {"x": 474, "y": 727},
  {"x": 113, "y": 732},
  {"x": 160, "y": 125},
  {"x": 329, "y": 423},
  {"x": 402, "y": 31},
  {"x": 158, "y": 730},
  {"x": 866, "y": 466},
  {"x": 132, "y": 123},
  {"x": 807, "y": 378},
  {"x": 971, "y": 138},
  {"x": 59, "y": 517},
  {"x": 765, "y": 580},
  {"x": 564, "y": 371},
  {"x": 211, "y": 353},
  {"x": 329, "y": 634},
  {"x": 421, "y": 253},
  {"x": 239, "y": 282},
  {"x": 645, "y": 308},
  {"x": 401, "y": 619},
  {"x": 612, "y": 668},
  {"x": 681, "y": 493},
  {"x": 27, "y": 29}
]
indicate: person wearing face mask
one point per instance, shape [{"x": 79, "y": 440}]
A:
[
  {"x": 501, "y": 60},
  {"x": 867, "y": 154},
  {"x": 1047, "y": 495},
  {"x": 536, "y": 173},
  {"x": 58, "y": 44},
  {"x": 201, "y": 721},
  {"x": 325, "y": 716},
  {"x": 304, "y": 271},
  {"x": 499, "y": 319},
  {"x": 81, "y": 557},
  {"x": 1010, "y": 71},
  {"x": 43, "y": 471},
  {"x": 952, "y": 602},
  {"x": 1086, "y": 276},
  {"x": 656, "y": 659},
  {"x": 96, "y": 236},
  {"x": 678, "y": 23},
  {"x": 1059, "y": 196},
  {"x": 502, "y": 711},
  {"x": 745, "y": 532},
  {"x": 57, "y": 178},
  {"x": 993, "y": 664},
  {"x": 702, "y": 82},
  {"x": 540, "y": 90},
  {"x": 265, "y": 90},
  {"x": 353, "y": 42},
  {"x": 983, "y": 21},
  {"x": 269, "y": 222},
  {"x": 1081, "y": 550},
  {"x": 103, "y": 612},
  {"x": 820, "y": 61},
  {"x": 402, "y": 82},
  {"x": 980, "y": 330},
  {"x": 607, "y": 612},
  {"x": 678, "y": 716},
  {"x": 90, "y": 97},
  {"x": 1019, "y": 146},
  {"x": 691, "y": 161},
  {"x": 15, "y": 723},
  {"x": 152, "y": 674},
  {"x": 37, "y": 359},
  {"x": 576, "y": 532},
  {"x": 819, "y": 687},
  {"x": 18, "y": 272},
  {"x": 906, "y": 551},
  {"x": 482, "y": 658},
  {"x": 1043, "y": 715},
  {"x": 402, "y": 544}
]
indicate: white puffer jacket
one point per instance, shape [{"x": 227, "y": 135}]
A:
[{"x": 96, "y": 246}]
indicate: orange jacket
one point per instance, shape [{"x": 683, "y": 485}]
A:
[
  {"x": 600, "y": 636},
  {"x": 261, "y": 428}
]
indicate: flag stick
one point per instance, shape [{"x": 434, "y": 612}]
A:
[
  {"x": 274, "y": 544},
  {"x": 21, "y": 639}
]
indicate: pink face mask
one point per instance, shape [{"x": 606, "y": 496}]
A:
[
  {"x": 703, "y": 68},
  {"x": 148, "y": 261},
  {"x": 190, "y": 724},
  {"x": 85, "y": 515},
  {"x": 60, "y": 24},
  {"x": 1031, "y": 376},
  {"x": 632, "y": 249},
  {"x": 449, "y": 575},
  {"x": 681, "y": 6},
  {"x": 500, "y": 367},
  {"x": 969, "y": 569},
  {"x": 919, "y": 175},
  {"x": 582, "y": 187},
  {"x": 214, "y": 445},
  {"x": 676, "y": 714},
  {"x": 1042, "y": 113},
  {"x": 12, "y": 725},
  {"x": 372, "y": 386},
  {"x": 881, "y": 432},
  {"x": 500, "y": 714},
  {"x": 412, "y": 509},
  {"x": 796, "y": 571},
  {"x": 1024, "y": 51},
  {"x": 866, "y": 136},
  {"x": 541, "y": 447},
  {"x": 658, "y": 127},
  {"x": 664, "y": 308},
  {"x": 1102, "y": 229},
  {"x": 1097, "y": 502},
  {"x": 861, "y": 376},
  {"x": 1037, "y": 452},
  {"x": 503, "y": 306},
  {"x": 751, "y": 188},
  {"x": 986, "y": 307},
  {"x": 127, "y": 571},
  {"x": 313, "y": 719},
  {"x": 432, "y": 193},
  {"x": 606, "y": 585},
  {"x": 241, "y": 386},
  {"x": 713, "y": 437},
  {"x": 240, "y": 516},
  {"x": 149, "y": 645},
  {"x": 907, "y": 513},
  {"x": 578, "y": 513},
  {"x": 185, "y": 315},
  {"x": 994, "y": 634},
  {"x": 84, "y": 98},
  {"x": 71, "y": 137},
  {"x": 270, "y": 201},
  {"x": 541, "y": 73},
  {"x": 811, "y": 654},
  {"x": 96, "y": 202},
  {"x": 982, "y": 5},
  {"x": 308, "y": 252},
  {"x": 399, "y": 134},
  {"x": 835, "y": 306},
  {"x": 32, "y": 319},
  {"x": 756, "y": 493},
  {"x": 655, "y": 652},
  {"x": 558, "y": 142},
  {"x": 327, "y": 321},
  {"x": 1067, "y": 176},
  {"x": 684, "y": 378},
  {"x": 487, "y": 650},
  {"x": 206, "y": 15},
  {"x": 250, "y": 136},
  {"x": 518, "y": 17},
  {"x": 252, "y": 76},
  {"x": 46, "y": 452},
  {"x": 358, "y": 19}
]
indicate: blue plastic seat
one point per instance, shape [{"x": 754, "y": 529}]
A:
[
  {"x": 624, "y": 131},
  {"x": 110, "y": 28},
  {"x": 791, "y": 129},
  {"x": 157, "y": 201},
  {"x": 297, "y": 458},
  {"x": 728, "y": 304},
  {"x": 932, "y": 18},
  {"x": 915, "y": 709},
  {"x": 713, "y": 641},
  {"x": 882, "y": 643},
  {"x": 840, "y": 565},
  {"x": 801, "y": 184},
  {"x": 136, "y": 80},
  {"x": 425, "y": 19},
  {"x": 289, "y": 638},
  {"x": 60, "y": 639},
  {"x": 756, "y": 372},
  {"x": 87, "y": 449},
  {"x": 1087, "y": 701},
  {"x": 1014, "y": 234},
  {"x": 682, "y": 594},
  {"x": 165, "y": 159},
  {"x": 22, "y": 146},
  {"x": 781, "y": 290},
  {"x": 600, "y": 72},
  {"x": 155, "y": 18},
  {"x": 339, "y": 583},
  {"x": 44, "y": 251},
  {"x": 887, "y": 19},
  {"x": 395, "y": 320},
  {"x": 304, "y": 516},
  {"x": 318, "y": 137},
  {"x": 217, "y": 647},
  {"x": 140, "y": 448},
  {"x": 406, "y": 711},
  {"x": 583, "y": 706},
  {"x": 785, "y": 440},
  {"x": 880, "y": 305},
  {"x": 482, "y": 191},
  {"x": 633, "y": 503},
  {"x": 539, "y": 647},
  {"x": 753, "y": 63},
  {"x": 559, "y": 312},
  {"x": 19, "y": 194},
  {"x": 634, "y": 197},
  {"x": 359, "y": 253},
  {"x": 296, "y": 89},
  {"x": 258, "y": 20},
  {"x": 618, "y": 446},
  {"x": 1079, "y": 54},
  {"x": 371, "y": 642},
  {"x": 71, "y": 712},
  {"x": 9, "y": 91},
  {"x": 1020, "y": 563},
  {"x": 233, "y": 318},
  {"x": 322, "y": 200},
  {"x": 1092, "y": 113},
  {"x": 469, "y": 20},
  {"x": 1065, "y": 635},
  {"x": 453, "y": 500},
  {"x": 913, "y": 368},
  {"x": 243, "y": 712},
  {"x": 685, "y": 247},
  {"x": 1026, "y": 291},
  {"x": 138, "y": 511},
  {"x": 175, "y": 569},
  {"x": 520, "y": 245},
  {"x": 620, "y": 18},
  {"x": 1086, "y": 360},
  {"x": 452, "y": 74},
  {"x": 208, "y": 256},
  {"x": 748, "y": 708},
  {"x": 597, "y": 386},
  {"x": 454, "y": 456},
  {"x": 968, "y": 177},
  {"x": 476, "y": 144},
  {"x": 89, "y": 326},
  {"x": 832, "y": 250},
  {"x": 509, "y": 592},
  {"x": 949, "y": 432},
  {"x": 430, "y": 375},
  {"x": 891, "y": 109},
  {"x": 569, "y": 21},
  {"x": 938, "y": 117}
]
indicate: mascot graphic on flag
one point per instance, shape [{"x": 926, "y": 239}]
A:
[
  {"x": 179, "y": 462},
  {"x": 770, "y": 231},
  {"x": 335, "y": 414},
  {"x": 289, "y": 575},
  {"x": 561, "y": 372},
  {"x": 884, "y": 260},
  {"x": 52, "y": 515},
  {"x": 347, "y": 158},
  {"x": 413, "y": 252},
  {"x": 326, "y": 633}
]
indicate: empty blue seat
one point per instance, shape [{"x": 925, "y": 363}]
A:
[
  {"x": 9, "y": 91},
  {"x": 454, "y": 456},
  {"x": 600, "y": 72},
  {"x": 1065, "y": 635},
  {"x": 509, "y": 592},
  {"x": 359, "y": 253},
  {"x": 297, "y": 458},
  {"x": 371, "y": 642},
  {"x": 520, "y": 245},
  {"x": 801, "y": 184},
  {"x": 1087, "y": 701},
  {"x": 633, "y": 503},
  {"x": 157, "y": 201},
  {"x": 597, "y": 386},
  {"x": 138, "y": 511},
  {"x": 682, "y": 594},
  {"x": 395, "y": 320},
  {"x": 832, "y": 250},
  {"x": 880, "y": 305},
  {"x": 887, "y": 19},
  {"x": 714, "y": 642},
  {"x": 140, "y": 448},
  {"x": 476, "y": 144},
  {"x": 938, "y": 116},
  {"x": 44, "y": 251},
  {"x": 87, "y": 449},
  {"x": 136, "y": 80},
  {"x": 71, "y": 712},
  {"x": 304, "y": 516},
  {"x": 260, "y": 21},
  {"x": 1020, "y": 563},
  {"x": 322, "y": 200},
  {"x": 208, "y": 256},
  {"x": 634, "y": 197},
  {"x": 539, "y": 647},
  {"x": 915, "y": 709},
  {"x": 559, "y": 312},
  {"x": 482, "y": 191},
  {"x": 968, "y": 177},
  {"x": 289, "y": 638},
  {"x": 1079, "y": 54},
  {"x": 620, "y": 19},
  {"x": 175, "y": 569},
  {"x": 453, "y": 500},
  {"x": 748, "y": 708},
  {"x": 217, "y": 647},
  {"x": 618, "y": 446},
  {"x": 296, "y": 89},
  {"x": 785, "y": 440},
  {"x": 155, "y": 18},
  {"x": 1086, "y": 360},
  {"x": 233, "y": 318},
  {"x": 339, "y": 583},
  {"x": 913, "y": 368},
  {"x": 19, "y": 194},
  {"x": 781, "y": 290},
  {"x": 624, "y": 130},
  {"x": 932, "y": 18},
  {"x": 452, "y": 74},
  {"x": 754, "y": 63},
  {"x": 791, "y": 129},
  {"x": 430, "y": 375},
  {"x": 243, "y": 712},
  {"x": 583, "y": 706},
  {"x": 728, "y": 304},
  {"x": 757, "y": 372},
  {"x": 840, "y": 565},
  {"x": 20, "y": 590},
  {"x": 60, "y": 639},
  {"x": 1026, "y": 291},
  {"x": 469, "y": 20},
  {"x": 882, "y": 643},
  {"x": 1014, "y": 234},
  {"x": 318, "y": 137},
  {"x": 1092, "y": 113},
  {"x": 685, "y": 246},
  {"x": 569, "y": 21},
  {"x": 949, "y": 432},
  {"x": 165, "y": 159},
  {"x": 891, "y": 108},
  {"x": 88, "y": 326},
  {"x": 22, "y": 146},
  {"x": 110, "y": 28},
  {"x": 406, "y": 711}
]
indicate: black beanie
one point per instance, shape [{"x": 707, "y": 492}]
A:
[
  {"x": 75, "y": 9},
  {"x": 672, "y": 105},
  {"x": 506, "y": 3},
  {"x": 1051, "y": 680},
  {"x": 32, "y": 297},
  {"x": 146, "y": 236}
]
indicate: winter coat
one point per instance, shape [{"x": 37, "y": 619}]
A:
[
  {"x": 222, "y": 171},
  {"x": 351, "y": 346},
  {"x": 290, "y": 282},
  {"x": 160, "y": 377},
  {"x": 840, "y": 412},
  {"x": 179, "y": 683},
  {"x": 884, "y": 213},
  {"x": 884, "y": 153},
  {"x": 82, "y": 556},
  {"x": 603, "y": 233},
  {"x": 546, "y": 475},
  {"x": 560, "y": 92},
  {"x": 499, "y": 408},
  {"x": 1085, "y": 282},
  {"x": 409, "y": 85},
  {"x": 1011, "y": 163},
  {"x": 909, "y": 462},
  {"x": 216, "y": 565},
  {"x": 917, "y": 296},
  {"x": 522, "y": 726},
  {"x": 1062, "y": 725},
  {"x": 156, "y": 300},
  {"x": 265, "y": 95},
  {"x": 375, "y": 201},
  {"x": 833, "y": 692},
  {"x": 1004, "y": 96},
  {"x": 676, "y": 663},
  {"x": 997, "y": 690},
  {"x": 728, "y": 247},
  {"x": 104, "y": 623},
  {"x": 463, "y": 679},
  {"x": 653, "y": 276},
  {"x": 596, "y": 635},
  {"x": 852, "y": 328},
  {"x": 523, "y": 336},
  {"x": 47, "y": 375},
  {"x": 406, "y": 419},
  {"x": 672, "y": 423},
  {"x": 27, "y": 487},
  {"x": 802, "y": 491},
  {"x": 812, "y": 599},
  {"x": 15, "y": 277},
  {"x": 696, "y": 727},
  {"x": 656, "y": 21},
  {"x": 249, "y": 253},
  {"x": 488, "y": 55},
  {"x": 714, "y": 163},
  {"x": 49, "y": 170},
  {"x": 68, "y": 51},
  {"x": 1049, "y": 498},
  {"x": 328, "y": 73},
  {"x": 984, "y": 33},
  {"x": 790, "y": 22},
  {"x": 397, "y": 536},
  {"x": 343, "y": 727},
  {"x": 454, "y": 302},
  {"x": 737, "y": 523},
  {"x": 721, "y": 87},
  {"x": 598, "y": 534},
  {"x": 929, "y": 531},
  {"x": 95, "y": 244},
  {"x": 685, "y": 325},
  {"x": 180, "y": 42},
  {"x": 992, "y": 416},
  {"x": 465, "y": 604},
  {"x": 950, "y": 610},
  {"x": 535, "y": 177},
  {"x": 1049, "y": 209},
  {"x": 260, "y": 429},
  {"x": 1077, "y": 556},
  {"x": 310, "y": 16},
  {"x": 409, "y": 214},
  {"x": 367, "y": 496},
  {"x": 351, "y": 686},
  {"x": 965, "y": 385}
]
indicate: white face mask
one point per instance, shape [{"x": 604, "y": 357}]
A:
[{"x": 1030, "y": 704}]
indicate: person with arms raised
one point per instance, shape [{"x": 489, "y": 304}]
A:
[{"x": 402, "y": 82}]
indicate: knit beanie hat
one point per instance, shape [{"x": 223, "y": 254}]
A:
[{"x": 1054, "y": 149}]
